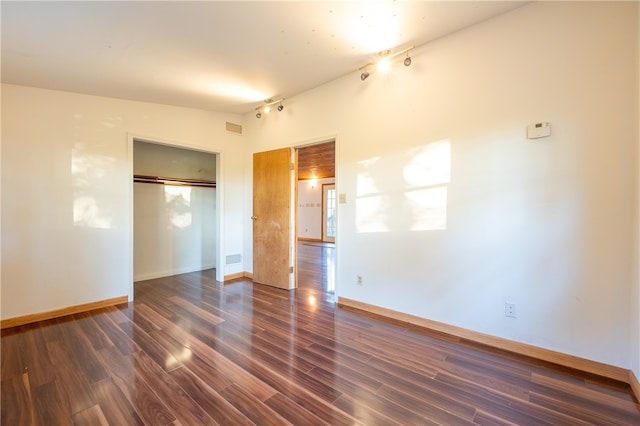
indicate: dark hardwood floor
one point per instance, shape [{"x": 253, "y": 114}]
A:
[{"x": 192, "y": 351}]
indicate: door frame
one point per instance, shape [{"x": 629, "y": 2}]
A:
[
  {"x": 296, "y": 147},
  {"x": 220, "y": 255}
]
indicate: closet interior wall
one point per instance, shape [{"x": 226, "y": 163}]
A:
[{"x": 174, "y": 220}]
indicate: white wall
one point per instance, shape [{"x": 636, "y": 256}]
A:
[
  {"x": 66, "y": 192},
  {"x": 174, "y": 230},
  {"x": 451, "y": 211},
  {"x": 310, "y": 208}
]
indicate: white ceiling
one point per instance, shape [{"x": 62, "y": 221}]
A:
[{"x": 222, "y": 56}]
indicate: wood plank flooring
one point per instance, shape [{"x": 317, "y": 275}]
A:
[{"x": 192, "y": 351}]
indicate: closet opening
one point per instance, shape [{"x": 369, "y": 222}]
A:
[{"x": 174, "y": 210}]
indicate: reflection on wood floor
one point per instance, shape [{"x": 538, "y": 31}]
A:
[
  {"x": 192, "y": 351},
  {"x": 317, "y": 268}
]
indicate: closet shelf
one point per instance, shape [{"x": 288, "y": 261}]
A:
[{"x": 161, "y": 180}]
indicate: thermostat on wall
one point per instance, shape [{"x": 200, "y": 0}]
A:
[{"x": 538, "y": 130}]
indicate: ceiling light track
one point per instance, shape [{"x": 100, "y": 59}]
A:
[
  {"x": 383, "y": 61},
  {"x": 265, "y": 108}
]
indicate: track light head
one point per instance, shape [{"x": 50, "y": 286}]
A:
[
  {"x": 265, "y": 108},
  {"x": 383, "y": 61}
]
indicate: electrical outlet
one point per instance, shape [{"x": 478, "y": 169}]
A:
[
  {"x": 359, "y": 279},
  {"x": 510, "y": 309}
]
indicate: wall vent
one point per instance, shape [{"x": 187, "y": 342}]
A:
[
  {"x": 234, "y": 258},
  {"x": 235, "y": 128}
]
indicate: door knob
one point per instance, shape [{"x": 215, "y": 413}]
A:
[{"x": 254, "y": 217}]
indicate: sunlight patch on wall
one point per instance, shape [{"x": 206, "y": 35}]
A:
[
  {"x": 371, "y": 214},
  {"x": 370, "y": 205},
  {"x": 366, "y": 184},
  {"x": 87, "y": 213},
  {"x": 428, "y": 208},
  {"x": 406, "y": 192},
  {"x": 429, "y": 165},
  {"x": 91, "y": 179},
  {"x": 178, "y": 200}
]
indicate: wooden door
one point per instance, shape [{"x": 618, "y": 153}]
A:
[{"x": 273, "y": 254}]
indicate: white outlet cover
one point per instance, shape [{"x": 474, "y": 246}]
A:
[{"x": 510, "y": 310}]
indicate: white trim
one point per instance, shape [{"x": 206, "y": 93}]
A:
[
  {"x": 316, "y": 141},
  {"x": 173, "y": 271},
  {"x": 131, "y": 137},
  {"x": 220, "y": 262}
]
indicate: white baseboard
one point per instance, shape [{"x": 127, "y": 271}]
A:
[{"x": 170, "y": 272}]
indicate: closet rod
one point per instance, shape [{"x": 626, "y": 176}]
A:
[{"x": 174, "y": 181}]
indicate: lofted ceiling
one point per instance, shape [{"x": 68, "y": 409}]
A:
[{"x": 213, "y": 55}]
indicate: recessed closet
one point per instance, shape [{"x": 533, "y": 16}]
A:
[{"x": 174, "y": 210}]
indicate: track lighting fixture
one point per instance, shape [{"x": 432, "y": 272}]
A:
[
  {"x": 266, "y": 107},
  {"x": 384, "y": 64},
  {"x": 383, "y": 61}
]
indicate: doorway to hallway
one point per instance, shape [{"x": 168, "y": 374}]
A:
[{"x": 316, "y": 211}]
